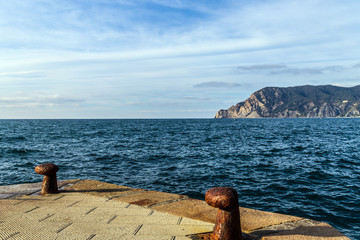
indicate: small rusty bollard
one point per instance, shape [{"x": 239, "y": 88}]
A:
[
  {"x": 49, "y": 184},
  {"x": 227, "y": 226}
]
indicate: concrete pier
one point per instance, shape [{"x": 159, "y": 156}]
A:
[{"x": 89, "y": 209}]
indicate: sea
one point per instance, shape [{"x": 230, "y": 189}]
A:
[{"x": 304, "y": 167}]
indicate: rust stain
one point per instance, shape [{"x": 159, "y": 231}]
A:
[{"x": 144, "y": 202}]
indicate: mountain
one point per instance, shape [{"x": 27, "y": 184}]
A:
[{"x": 302, "y": 101}]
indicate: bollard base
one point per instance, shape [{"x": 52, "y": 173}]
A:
[
  {"x": 49, "y": 185},
  {"x": 208, "y": 236}
]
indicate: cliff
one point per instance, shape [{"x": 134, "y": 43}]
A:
[{"x": 302, "y": 101}]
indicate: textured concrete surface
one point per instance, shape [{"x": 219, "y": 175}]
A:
[
  {"x": 252, "y": 219},
  {"x": 149, "y": 198},
  {"x": 88, "y": 209},
  {"x": 27, "y": 188},
  {"x": 75, "y": 215},
  {"x": 190, "y": 208}
]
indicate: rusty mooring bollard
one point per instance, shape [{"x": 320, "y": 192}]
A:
[
  {"x": 227, "y": 226},
  {"x": 49, "y": 184}
]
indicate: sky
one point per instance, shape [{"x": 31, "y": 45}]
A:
[{"x": 167, "y": 58}]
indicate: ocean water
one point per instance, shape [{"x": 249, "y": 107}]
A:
[{"x": 304, "y": 167}]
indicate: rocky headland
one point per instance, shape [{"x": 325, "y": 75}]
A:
[{"x": 294, "y": 102}]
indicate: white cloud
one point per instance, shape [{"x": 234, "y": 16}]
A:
[
  {"x": 217, "y": 85},
  {"x": 197, "y": 98},
  {"x": 277, "y": 69},
  {"x": 133, "y": 51},
  {"x": 17, "y": 101},
  {"x": 24, "y": 74}
]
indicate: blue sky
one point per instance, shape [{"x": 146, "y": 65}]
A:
[{"x": 167, "y": 58}]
